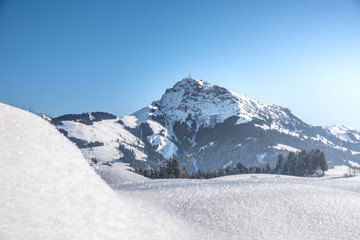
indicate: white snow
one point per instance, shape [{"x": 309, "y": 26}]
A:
[
  {"x": 342, "y": 132},
  {"x": 259, "y": 206},
  {"x": 157, "y": 128},
  {"x": 103, "y": 131},
  {"x": 129, "y": 121},
  {"x": 265, "y": 127},
  {"x": 110, "y": 133},
  {"x": 328, "y": 143},
  {"x": 336, "y": 172},
  {"x": 354, "y": 164},
  {"x": 355, "y": 153},
  {"x": 210, "y": 144},
  {"x": 322, "y": 139},
  {"x": 49, "y": 191},
  {"x": 118, "y": 173},
  {"x": 286, "y": 147},
  {"x": 167, "y": 148},
  {"x": 243, "y": 120}
]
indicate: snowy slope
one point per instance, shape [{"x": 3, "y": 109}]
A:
[
  {"x": 344, "y": 133},
  {"x": 48, "y": 190},
  {"x": 107, "y": 132}
]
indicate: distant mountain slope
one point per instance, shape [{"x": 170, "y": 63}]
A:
[
  {"x": 205, "y": 126},
  {"x": 48, "y": 190}
]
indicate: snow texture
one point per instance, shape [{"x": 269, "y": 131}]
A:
[{"x": 258, "y": 206}]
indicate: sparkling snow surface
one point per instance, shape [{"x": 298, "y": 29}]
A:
[
  {"x": 258, "y": 206},
  {"x": 49, "y": 191}
]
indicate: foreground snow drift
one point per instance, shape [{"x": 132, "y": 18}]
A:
[
  {"x": 48, "y": 190},
  {"x": 259, "y": 208}
]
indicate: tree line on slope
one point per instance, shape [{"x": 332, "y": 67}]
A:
[
  {"x": 170, "y": 169},
  {"x": 303, "y": 163}
]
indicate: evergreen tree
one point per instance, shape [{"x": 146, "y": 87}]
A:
[
  {"x": 305, "y": 163},
  {"x": 184, "y": 173},
  {"x": 240, "y": 168},
  {"x": 268, "y": 169},
  {"x": 300, "y": 159},
  {"x": 323, "y": 162},
  {"x": 279, "y": 164},
  {"x": 291, "y": 159}
]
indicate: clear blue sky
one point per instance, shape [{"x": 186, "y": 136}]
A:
[{"x": 75, "y": 56}]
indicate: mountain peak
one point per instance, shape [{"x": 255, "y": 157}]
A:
[
  {"x": 205, "y": 127},
  {"x": 190, "y": 83}
]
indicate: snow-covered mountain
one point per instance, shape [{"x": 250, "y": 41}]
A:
[{"x": 204, "y": 126}]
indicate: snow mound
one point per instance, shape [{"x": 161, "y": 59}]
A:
[
  {"x": 48, "y": 190},
  {"x": 118, "y": 173},
  {"x": 259, "y": 206}
]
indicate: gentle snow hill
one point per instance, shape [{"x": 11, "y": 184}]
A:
[
  {"x": 259, "y": 206},
  {"x": 49, "y": 191}
]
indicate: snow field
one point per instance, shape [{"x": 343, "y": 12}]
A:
[{"x": 258, "y": 208}]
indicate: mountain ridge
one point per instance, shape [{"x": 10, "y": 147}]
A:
[{"x": 205, "y": 126}]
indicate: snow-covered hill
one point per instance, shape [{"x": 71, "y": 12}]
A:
[
  {"x": 49, "y": 191},
  {"x": 259, "y": 206},
  {"x": 204, "y": 126}
]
